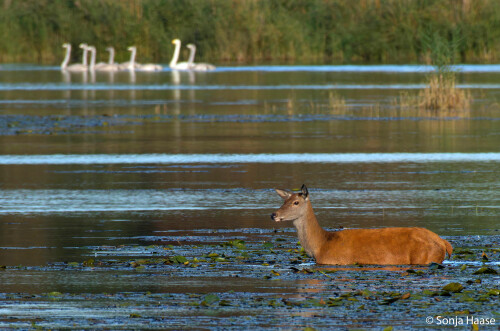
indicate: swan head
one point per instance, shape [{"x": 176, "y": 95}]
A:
[
  {"x": 110, "y": 49},
  {"x": 132, "y": 48},
  {"x": 66, "y": 45},
  {"x": 176, "y": 41},
  {"x": 91, "y": 48},
  {"x": 83, "y": 45},
  {"x": 191, "y": 46}
]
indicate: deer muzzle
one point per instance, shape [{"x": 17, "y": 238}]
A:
[{"x": 275, "y": 217}]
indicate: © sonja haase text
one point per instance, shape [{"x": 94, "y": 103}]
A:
[{"x": 457, "y": 320}]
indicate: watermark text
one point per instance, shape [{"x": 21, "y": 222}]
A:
[{"x": 459, "y": 320}]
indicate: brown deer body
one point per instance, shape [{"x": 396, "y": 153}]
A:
[{"x": 363, "y": 246}]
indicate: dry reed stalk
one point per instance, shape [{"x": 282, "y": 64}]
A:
[
  {"x": 442, "y": 96},
  {"x": 336, "y": 104}
]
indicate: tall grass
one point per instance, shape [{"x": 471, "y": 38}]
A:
[{"x": 315, "y": 31}]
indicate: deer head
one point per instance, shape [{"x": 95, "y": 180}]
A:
[{"x": 294, "y": 207}]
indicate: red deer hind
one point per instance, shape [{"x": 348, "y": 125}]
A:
[{"x": 363, "y": 246}]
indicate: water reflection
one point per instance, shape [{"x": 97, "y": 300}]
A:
[{"x": 89, "y": 83}]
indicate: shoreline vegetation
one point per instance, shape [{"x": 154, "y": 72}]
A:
[{"x": 253, "y": 31}]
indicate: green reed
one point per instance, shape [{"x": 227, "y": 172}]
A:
[{"x": 316, "y": 31}]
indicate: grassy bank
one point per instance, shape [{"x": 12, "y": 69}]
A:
[{"x": 335, "y": 31}]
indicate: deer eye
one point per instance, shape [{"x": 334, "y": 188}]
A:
[{"x": 296, "y": 203}]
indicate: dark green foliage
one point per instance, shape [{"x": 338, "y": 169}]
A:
[{"x": 318, "y": 31}]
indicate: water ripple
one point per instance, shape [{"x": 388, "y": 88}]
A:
[
  {"x": 160, "y": 87},
  {"x": 401, "y": 68},
  {"x": 247, "y": 158}
]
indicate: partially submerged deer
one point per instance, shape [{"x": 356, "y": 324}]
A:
[{"x": 363, "y": 246}]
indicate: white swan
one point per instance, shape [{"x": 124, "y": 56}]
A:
[
  {"x": 110, "y": 65},
  {"x": 65, "y": 61},
  {"x": 92, "y": 51},
  {"x": 129, "y": 65},
  {"x": 85, "y": 50},
  {"x": 149, "y": 67},
  {"x": 132, "y": 65},
  {"x": 197, "y": 66},
  {"x": 111, "y": 51},
  {"x": 77, "y": 67},
  {"x": 175, "y": 58}
]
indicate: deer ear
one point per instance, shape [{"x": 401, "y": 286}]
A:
[
  {"x": 305, "y": 192},
  {"x": 284, "y": 194}
]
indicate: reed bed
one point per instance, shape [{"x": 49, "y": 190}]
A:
[{"x": 279, "y": 31}]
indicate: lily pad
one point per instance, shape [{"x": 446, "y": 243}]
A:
[
  {"x": 485, "y": 270},
  {"x": 134, "y": 264},
  {"x": 240, "y": 244},
  {"x": 88, "y": 263},
  {"x": 224, "y": 303},
  {"x": 220, "y": 259},
  {"x": 434, "y": 266},
  {"x": 453, "y": 287},
  {"x": 177, "y": 259},
  {"x": 388, "y": 301},
  {"x": 209, "y": 299}
]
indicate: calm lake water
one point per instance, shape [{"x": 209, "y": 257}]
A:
[
  {"x": 197, "y": 151},
  {"x": 117, "y": 159},
  {"x": 110, "y": 182}
]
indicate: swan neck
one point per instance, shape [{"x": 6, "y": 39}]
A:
[
  {"x": 176, "y": 55},
  {"x": 65, "y": 62},
  {"x": 191, "y": 55},
  {"x": 132, "y": 59},
  {"x": 92, "y": 58},
  {"x": 111, "y": 56},
  {"x": 84, "y": 58}
]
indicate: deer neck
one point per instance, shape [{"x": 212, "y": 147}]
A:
[{"x": 311, "y": 235}]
